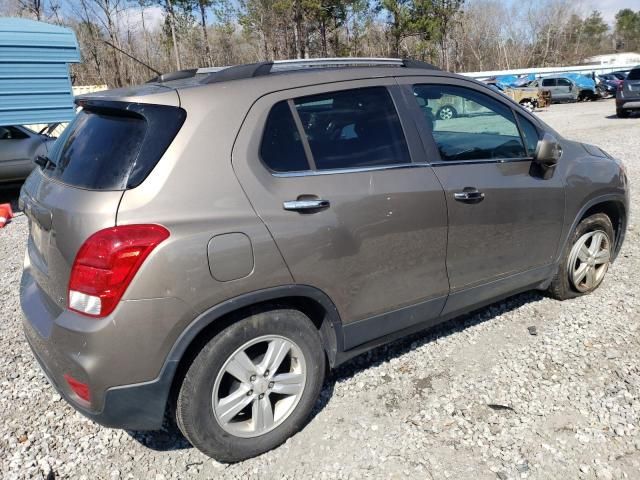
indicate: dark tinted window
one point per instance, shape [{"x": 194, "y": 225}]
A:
[
  {"x": 563, "y": 82},
  {"x": 353, "y": 128},
  {"x": 97, "y": 150},
  {"x": 530, "y": 134},
  {"x": 469, "y": 125},
  {"x": 634, "y": 74},
  {"x": 12, "y": 133},
  {"x": 281, "y": 149},
  {"x": 549, "y": 82}
]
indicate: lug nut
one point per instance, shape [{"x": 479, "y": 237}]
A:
[
  {"x": 249, "y": 393},
  {"x": 261, "y": 396},
  {"x": 253, "y": 378},
  {"x": 271, "y": 384},
  {"x": 266, "y": 374}
]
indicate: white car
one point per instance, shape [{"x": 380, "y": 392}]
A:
[{"x": 19, "y": 147}]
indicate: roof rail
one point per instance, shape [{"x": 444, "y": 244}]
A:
[
  {"x": 167, "y": 77},
  {"x": 249, "y": 70}
]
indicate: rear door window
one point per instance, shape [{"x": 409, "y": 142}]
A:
[
  {"x": 357, "y": 128},
  {"x": 353, "y": 129},
  {"x": 281, "y": 148},
  {"x": 563, "y": 82}
]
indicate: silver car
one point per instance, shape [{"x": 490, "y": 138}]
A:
[{"x": 19, "y": 146}]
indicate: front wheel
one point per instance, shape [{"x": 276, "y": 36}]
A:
[
  {"x": 252, "y": 386},
  {"x": 586, "y": 258}
]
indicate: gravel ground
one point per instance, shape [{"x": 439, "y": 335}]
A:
[{"x": 478, "y": 398}]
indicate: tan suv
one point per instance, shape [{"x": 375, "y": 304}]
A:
[{"x": 211, "y": 243}]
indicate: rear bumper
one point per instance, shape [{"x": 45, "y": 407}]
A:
[
  {"x": 628, "y": 103},
  {"x": 130, "y": 407},
  {"x": 66, "y": 343}
]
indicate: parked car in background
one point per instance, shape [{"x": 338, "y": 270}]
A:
[
  {"x": 628, "y": 94},
  {"x": 562, "y": 88},
  {"x": 212, "y": 245},
  {"x": 19, "y": 147},
  {"x": 607, "y": 85},
  {"x": 529, "y": 97},
  {"x": 620, "y": 75}
]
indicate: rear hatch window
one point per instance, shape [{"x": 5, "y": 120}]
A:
[
  {"x": 634, "y": 74},
  {"x": 113, "y": 145}
]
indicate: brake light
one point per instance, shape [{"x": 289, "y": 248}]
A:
[
  {"x": 621, "y": 85},
  {"x": 106, "y": 263}
]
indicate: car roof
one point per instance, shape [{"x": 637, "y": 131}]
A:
[{"x": 260, "y": 85}]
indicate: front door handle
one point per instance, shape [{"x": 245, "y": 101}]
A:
[
  {"x": 306, "y": 205},
  {"x": 469, "y": 195}
]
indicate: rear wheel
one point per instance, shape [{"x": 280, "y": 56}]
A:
[
  {"x": 586, "y": 258},
  {"x": 252, "y": 386},
  {"x": 622, "y": 113}
]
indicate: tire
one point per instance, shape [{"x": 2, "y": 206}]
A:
[
  {"x": 528, "y": 104},
  {"x": 447, "y": 112},
  {"x": 622, "y": 113},
  {"x": 230, "y": 437},
  {"x": 588, "y": 231}
]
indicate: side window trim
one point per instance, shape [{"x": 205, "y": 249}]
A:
[{"x": 303, "y": 136}]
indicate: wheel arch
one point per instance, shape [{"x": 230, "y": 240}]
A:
[
  {"x": 612, "y": 205},
  {"x": 311, "y": 301}
]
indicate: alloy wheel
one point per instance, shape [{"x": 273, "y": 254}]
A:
[
  {"x": 589, "y": 260},
  {"x": 259, "y": 386}
]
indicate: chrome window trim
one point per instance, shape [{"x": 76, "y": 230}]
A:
[
  {"x": 442, "y": 163},
  {"x": 334, "y": 171}
]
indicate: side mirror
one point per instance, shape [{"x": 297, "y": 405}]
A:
[{"x": 548, "y": 152}]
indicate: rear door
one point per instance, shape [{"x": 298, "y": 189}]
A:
[
  {"x": 566, "y": 89},
  {"x": 505, "y": 219},
  {"x": 329, "y": 170}
]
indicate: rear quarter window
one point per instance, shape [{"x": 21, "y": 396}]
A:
[{"x": 634, "y": 74}]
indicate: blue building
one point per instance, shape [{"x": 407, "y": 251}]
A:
[{"x": 35, "y": 86}]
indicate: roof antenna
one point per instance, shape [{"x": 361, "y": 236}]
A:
[{"x": 132, "y": 57}]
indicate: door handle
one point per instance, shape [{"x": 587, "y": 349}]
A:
[
  {"x": 306, "y": 205},
  {"x": 469, "y": 195}
]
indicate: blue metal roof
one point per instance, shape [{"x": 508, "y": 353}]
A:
[{"x": 34, "y": 76}]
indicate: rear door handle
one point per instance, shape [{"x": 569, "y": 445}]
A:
[
  {"x": 469, "y": 195},
  {"x": 306, "y": 205}
]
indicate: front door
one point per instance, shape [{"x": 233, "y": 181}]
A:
[
  {"x": 329, "y": 170},
  {"x": 504, "y": 219}
]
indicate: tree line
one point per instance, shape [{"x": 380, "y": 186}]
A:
[{"x": 457, "y": 35}]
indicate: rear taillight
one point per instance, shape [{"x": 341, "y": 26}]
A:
[
  {"x": 621, "y": 86},
  {"x": 106, "y": 263}
]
